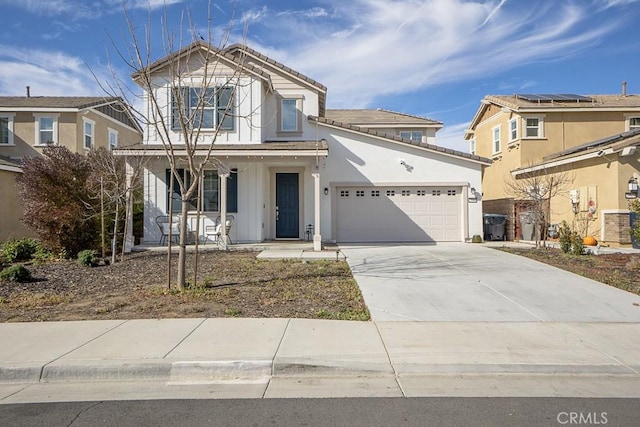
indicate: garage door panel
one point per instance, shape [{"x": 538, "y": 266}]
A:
[{"x": 398, "y": 214}]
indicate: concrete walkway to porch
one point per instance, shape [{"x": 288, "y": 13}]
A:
[{"x": 285, "y": 249}]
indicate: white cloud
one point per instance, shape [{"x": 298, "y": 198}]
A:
[
  {"x": 452, "y": 136},
  {"x": 367, "y": 48},
  {"x": 46, "y": 72}
]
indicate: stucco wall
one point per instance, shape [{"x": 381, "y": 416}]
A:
[
  {"x": 367, "y": 160},
  {"x": 11, "y": 226}
]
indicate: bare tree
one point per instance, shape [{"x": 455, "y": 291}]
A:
[
  {"x": 537, "y": 188},
  {"x": 199, "y": 86},
  {"x": 110, "y": 183}
]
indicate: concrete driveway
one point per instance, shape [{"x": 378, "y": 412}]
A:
[{"x": 466, "y": 282}]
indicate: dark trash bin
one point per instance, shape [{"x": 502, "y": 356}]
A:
[{"x": 494, "y": 226}]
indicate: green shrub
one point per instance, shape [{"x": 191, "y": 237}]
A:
[
  {"x": 43, "y": 254},
  {"x": 88, "y": 258},
  {"x": 16, "y": 273},
  {"x": 577, "y": 244},
  {"x": 19, "y": 250},
  {"x": 564, "y": 237}
]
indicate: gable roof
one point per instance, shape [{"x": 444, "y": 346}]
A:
[
  {"x": 202, "y": 46},
  {"x": 522, "y": 105},
  {"x": 597, "y": 148},
  {"x": 77, "y": 102},
  {"x": 239, "y": 48},
  {"x": 397, "y": 139},
  {"x": 379, "y": 118},
  {"x": 111, "y": 106}
]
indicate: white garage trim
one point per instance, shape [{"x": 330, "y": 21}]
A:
[{"x": 370, "y": 212}]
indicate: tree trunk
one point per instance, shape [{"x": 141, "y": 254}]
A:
[
  {"x": 182, "y": 251},
  {"x": 114, "y": 241}
]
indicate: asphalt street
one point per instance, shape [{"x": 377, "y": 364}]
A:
[{"x": 385, "y": 412}]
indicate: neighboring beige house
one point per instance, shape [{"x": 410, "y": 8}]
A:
[
  {"x": 28, "y": 124},
  {"x": 591, "y": 139}
]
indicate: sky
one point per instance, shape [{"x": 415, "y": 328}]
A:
[{"x": 433, "y": 58}]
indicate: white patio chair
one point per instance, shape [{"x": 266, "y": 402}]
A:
[
  {"x": 163, "y": 224},
  {"x": 215, "y": 231}
]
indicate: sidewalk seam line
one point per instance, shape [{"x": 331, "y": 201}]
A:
[
  {"x": 185, "y": 337},
  {"x": 273, "y": 360},
  {"x": 386, "y": 351},
  {"x": 78, "y": 347}
]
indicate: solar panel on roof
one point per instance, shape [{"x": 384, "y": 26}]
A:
[{"x": 553, "y": 97}]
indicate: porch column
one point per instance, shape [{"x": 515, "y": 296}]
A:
[
  {"x": 223, "y": 206},
  {"x": 129, "y": 240},
  {"x": 317, "y": 238}
]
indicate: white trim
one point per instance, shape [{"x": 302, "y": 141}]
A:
[
  {"x": 404, "y": 144},
  {"x": 85, "y": 122},
  {"x": 228, "y": 153},
  {"x": 473, "y": 149},
  {"x": 111, "y": 131},
  {"x": 11, "y": 168},
  {"x": 39, "y": 116},
  {"x": 511, "y": 137},
  {"x": 627, "y": 121},
  {"x": 542, "y": 166},
  {"x": 10, "y": 141},
  {"x": 493, "y": 140},
  {"x": 541, "y": 133}
]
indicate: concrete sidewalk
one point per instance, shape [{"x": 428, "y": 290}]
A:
[{"x": 280, "y": 357}]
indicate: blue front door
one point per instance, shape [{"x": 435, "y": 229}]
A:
[{"x": 287, "y": 206}]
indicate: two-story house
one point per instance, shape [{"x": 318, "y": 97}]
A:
[
  {"x": 30, "y": 123},
  {"x": 590, "y": 140},
  {"x": 284, "y": 163}
]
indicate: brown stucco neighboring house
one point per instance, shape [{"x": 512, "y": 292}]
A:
[
  {"x": 592, "y": 139},
  {"x": 28, "y": 124}
]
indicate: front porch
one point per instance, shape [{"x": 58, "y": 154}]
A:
[{"x": 267, "y": 250}]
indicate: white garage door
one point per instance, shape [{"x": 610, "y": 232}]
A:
[{"x": 398, "y": 214}]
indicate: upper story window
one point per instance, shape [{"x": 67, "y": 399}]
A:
[
  {"x": 290, "y": 115},
  {"x": 495, "y": 134},
  {"x": 634, "y": 123},
  {"x": 472, "y": 146},
  {"x": 412, "y": 136},
  {"x": 6, "y": 129},
  {"x": 113, "y": 138},
  {"x": 534, "y": 127},
  {"x": 513, "y": 129},
  {"x": 204, "y": 108},
  {"x": 46, "y": 129},
  {"x": 89, "y": 128}
]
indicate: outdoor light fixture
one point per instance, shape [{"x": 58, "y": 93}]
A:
[
  {"x": 326, "y": 191},
  {"x": 633, "y": 188},
  {"x": 473, "y": 195}
]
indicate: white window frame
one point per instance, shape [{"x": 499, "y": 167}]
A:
[
  {"x": 472, "y": 146},
  {"x": 627, "y": 121},
  {"x": 112, "y": 133},
  {"x": 540, "y": 127},
  {"x": 414, "y": 135},
  {"x": 39, "y": 117},
  {"x": 92, "y": 135},
  {"x": 10, "y": 117},
  {"x": 496, "y": 143},
  {"x": 513, "y": 129},
  {"x": 281, "y": 117}
]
